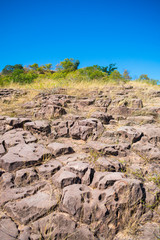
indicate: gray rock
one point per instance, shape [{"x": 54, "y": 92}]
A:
[
  {"x": 54, "y": 226},
  {"x": 136, "y": 103},
  {"x": 33, "y": 207},
  {"x": 38, "y": 126},
  {"x": 49, "y": 168},
  {"x": 78, "y": 167},
  {"x": 60, "y": 148},
  {"x": 7, "y": 180},
  {"x": 11, "y": 193},
  {"x": 152, "y": 132},
  {"x": 2, "y": 150},
  {"x": 130, "y": 134},
  {"x": 149, "y": 230},
  {"x": 147, "y": 151},
  {"x": 65, "y": 178},
  {"x": 17, "y": 122},
  {"x": 16, "y": 136},
  {"x": 8, "y": 229},
  {"x": 103, "y": 117},
  {"x": 85, "y": 102},
  {"x": 103, "y": 102},
  {"x": 82, "y": 129},
  {"x": 110, "y": 165},
  {"x": 25, "y": 176},
  {"x": 24, "y": 155},
  {"x": 109, "y": 179},
  {"x": 104, "y": 149}
]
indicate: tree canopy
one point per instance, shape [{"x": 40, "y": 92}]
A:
[
  {"x": 68, "y": 65},
  {"x": 8, "y": 69}
]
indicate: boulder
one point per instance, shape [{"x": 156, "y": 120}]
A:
[
  {"x": 8, "y": 229},
  {"x": 103, "y": 117},
  {"x": 16, "y": 136},
  {"x": 60, "y": 148},
  {"x": 129, "y": 133},
  {"x": 24, "y": 155},
  {"x": 110, "y": 165},
  {"x": 49, "y": 168},
  {"x": 53, "y": 226},
  {"x": 32, "y": 207},
  {"x": 25, "y": 176},
  {"x": 65, "y": 178},
  {"x": 39, "y": 126}
]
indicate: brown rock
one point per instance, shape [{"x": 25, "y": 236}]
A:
[
  {"x": 24, "y": 155},
  {"x": 65, "y": 178},
  {"x": 60, "y": 148},
  {"x": 33, "y": 207}
]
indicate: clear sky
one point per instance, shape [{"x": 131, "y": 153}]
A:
[{"x": 126, "y": 32}]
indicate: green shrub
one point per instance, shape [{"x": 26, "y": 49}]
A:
[
  {"x": 8, "y": 69},
  {"x": 92, "y": 72},
  {"x": 68, "y": 65},
  {"x": 145, "y": 79},
  {"x": 4, "y": 80},
  {"x": 58, "y": 75},
  {"x": 18, "y": 76}
]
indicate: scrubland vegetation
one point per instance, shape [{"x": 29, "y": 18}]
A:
[{"x": 66, "y": 73}]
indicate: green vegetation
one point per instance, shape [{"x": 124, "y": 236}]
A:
[
  {"x": 66, "y": 71},
  {"x": 145, "y": 79}
]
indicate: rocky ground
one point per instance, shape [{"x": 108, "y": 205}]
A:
[{"x": 83, "y": 166}]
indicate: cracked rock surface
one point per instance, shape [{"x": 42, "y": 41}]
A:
[{"x": 81, "y": 167}]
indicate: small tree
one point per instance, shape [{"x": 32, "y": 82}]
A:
[
  {"x": 109, "y": 69},
  {"x": 8, "y": 69},
  {"x": 144, "y": 77},
  {"x": 115, "y": 75},
  {"x": 68, "y": 65},
  {"x": 48, "y": 66},
  {"x": 34, "y": 66},
  {"x": 126, "y": 75}
]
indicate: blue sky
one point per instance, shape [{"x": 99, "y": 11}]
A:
[{"x": 126, "y": 32}]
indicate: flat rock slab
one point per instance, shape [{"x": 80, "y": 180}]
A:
[
  {"x": 25, "y": 176},
  {"x": 11, "y": 193},
  {"x": 104, "y": 149},
  {"x": 152, "y": 132},
  {"x": 17, "y": 122},
  {"x": 16, "y": 136},
  {"x": 52, "y": 226},
  {"x": 109, "y": 179},
  {"x": 39, "y": 126},
  {"x": 8, "y": 229},
  {"x": 33, "y": 207},
  {"x": 93, "y": 205},
  {"x": 60, "y": 148},
  {"x": 73, "y": 157},
  {"x": 148, "y": 151},
  {"x": 65, "y": 178},
  {"x": 78, "y": 167},
  {"x": 49, "y": 168},
  {"x": 24, "y": 155},
  {"x": 82, "y": 129},
  {"x": 103, "y": 117},
  {"x": 131, "y": 134},
  {"x": 110, "y": 165},
  {"x": 2, "y": 150}
]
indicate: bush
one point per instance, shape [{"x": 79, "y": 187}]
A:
[
  {"x": 92, "y": 72},
  {"x": 58, "y": 75},
  {"x": 8, "y": 69},
  {"x": 18, "y": 76},
  {"x": 4, "y": 80},
  {"x": 68, "y": 65},
  {"x": 145, "y": 79}
]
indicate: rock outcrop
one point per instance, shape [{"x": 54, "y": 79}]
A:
[{"x": 80, "y": 168}]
